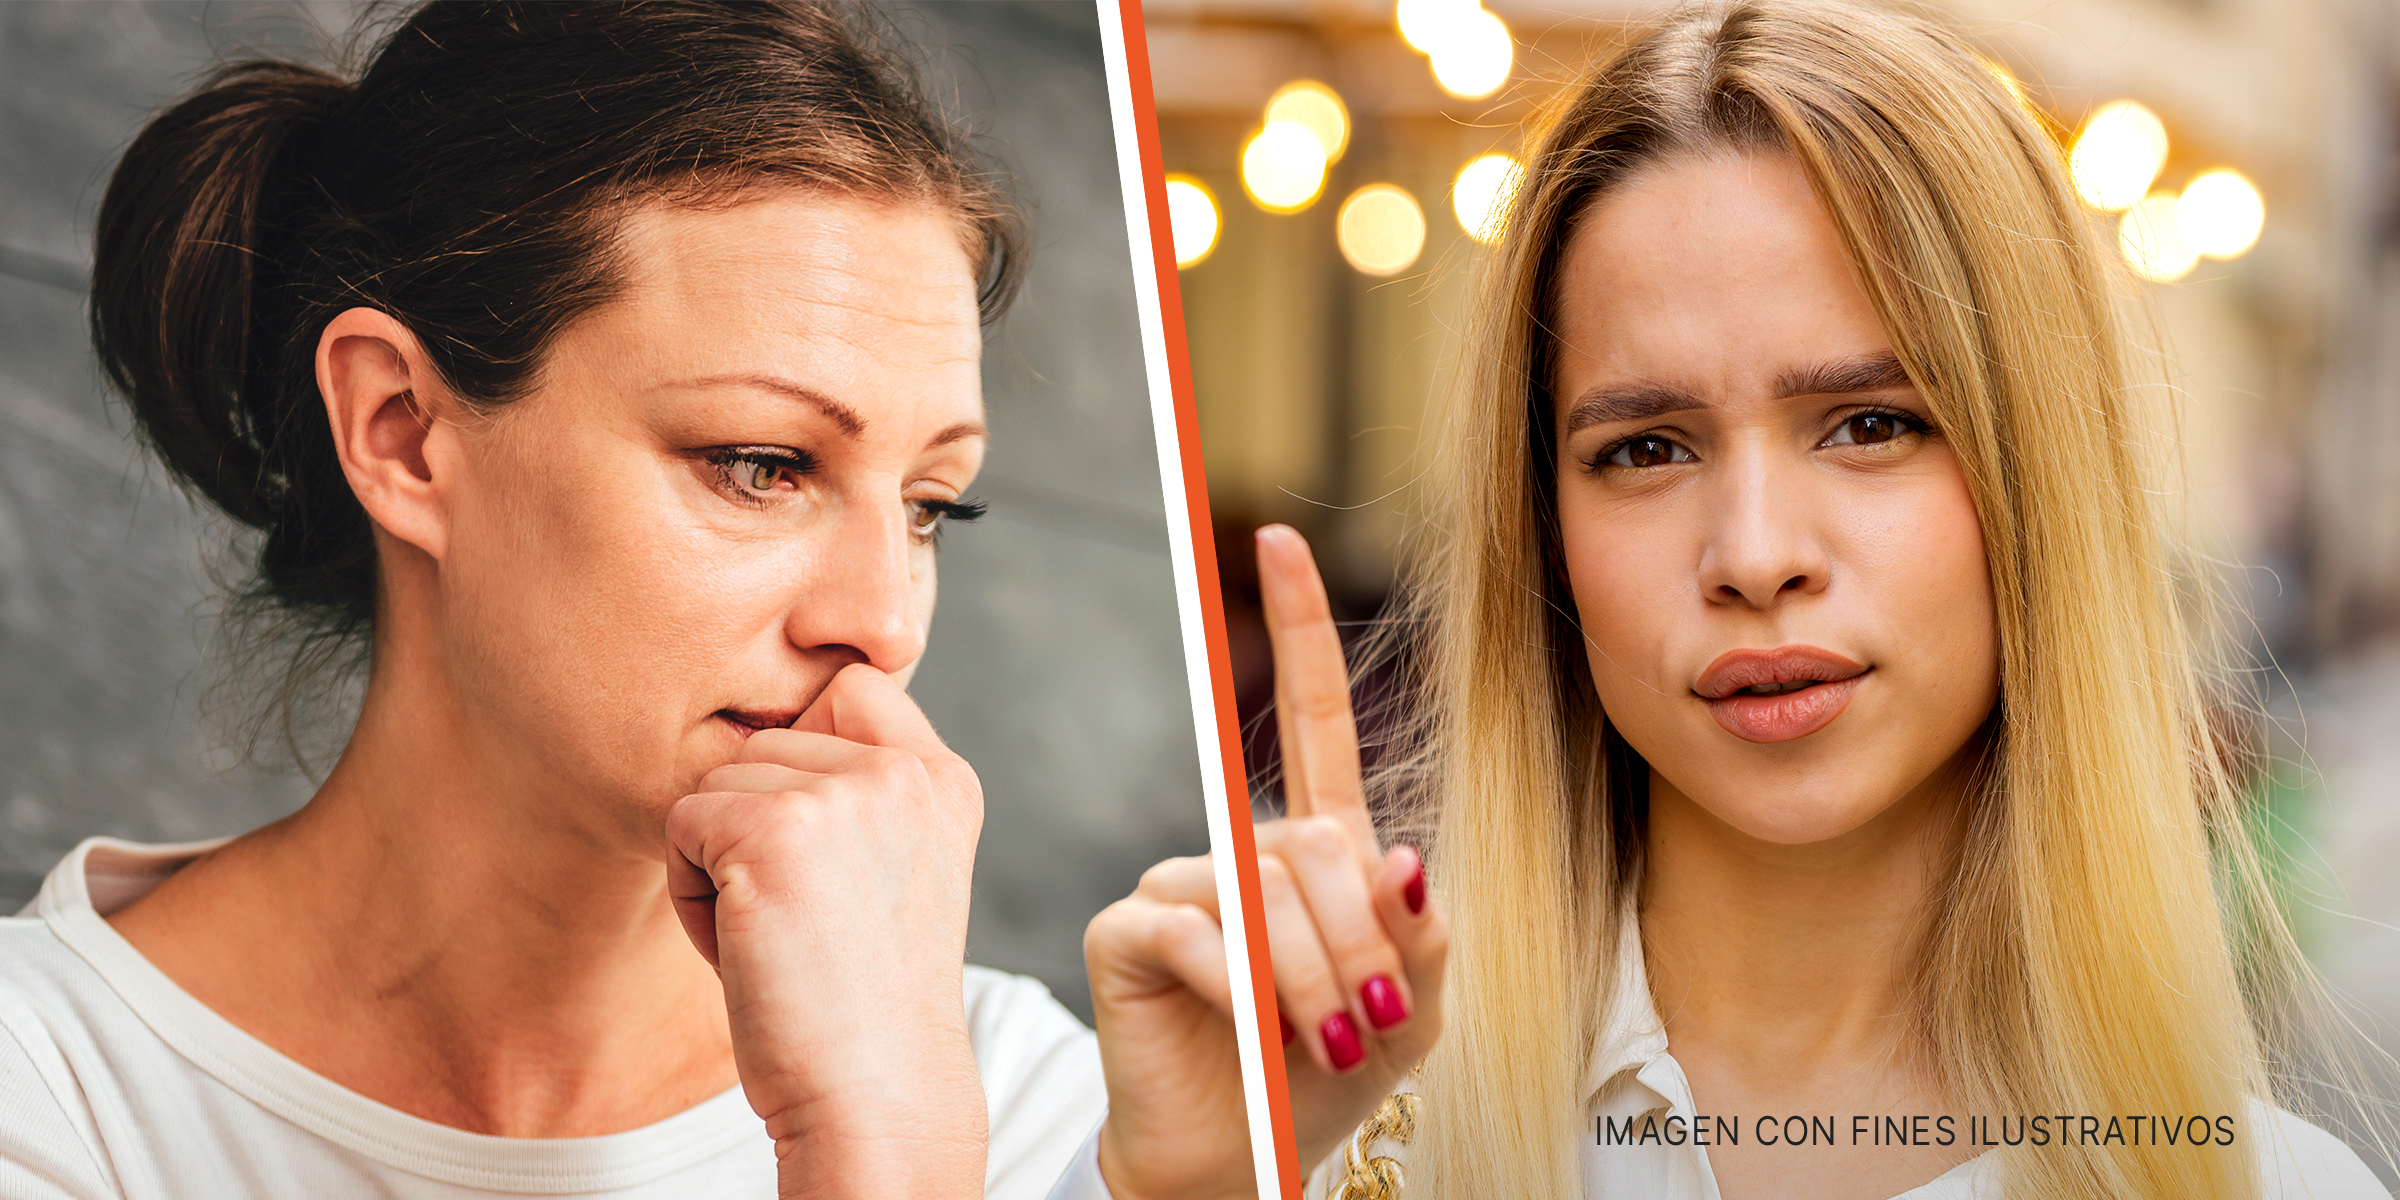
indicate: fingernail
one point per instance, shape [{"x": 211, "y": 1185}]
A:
[
  {"x": 1414, "y": 891},
  {"x": 1384, "y": 1006},
  {"x": 1288, "y": 1032},
  {"x": 1341, "y": 1041}
]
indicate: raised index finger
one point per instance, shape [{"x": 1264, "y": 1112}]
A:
[{"x": 1312, "y": 688}]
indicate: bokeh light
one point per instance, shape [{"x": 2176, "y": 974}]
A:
[
  {"x": 1472, "y": 58},
  {"x": 2220, "y": 213},
  {"x": 1283, "y": 167},
  {"x": 1380, "y": 228},
  {"x": 1191, "y": 218},
  {"x": 1426, "y": 24},
  {"x": 2151, "y": 239},
  {"x": 1479, "y": 196},
  {"x": 1315, "y": 108},
  {"x": 2117, "y": 155}
]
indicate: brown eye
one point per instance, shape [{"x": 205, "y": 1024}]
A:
[
  {"x": 1872, "y": 428},
  {"x": 1644, "y": 450},
  {"x": 753, "y": 475}
]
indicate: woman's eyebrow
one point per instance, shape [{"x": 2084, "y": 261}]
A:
[
  {"x": 958, "y": 433},
  {"x": 1628, "y": 402},
  {"x": 1879, "y": 372},
  {"x": 842, "y": 415}
]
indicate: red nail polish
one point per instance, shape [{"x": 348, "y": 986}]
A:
[
  {"x": 1384, "y": 1006},
  {"x": 1414, "y": 891},
  {"x": 1341, "y": 1042},
  {"x": 1288, "y": 1032}
]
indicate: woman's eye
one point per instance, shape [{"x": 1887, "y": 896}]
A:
[
  {"x": 753, "y": 475},
  {"x": 764, "y": 475},
  {"x": 1645, "y": 450},
  {"x": 925, "y": 516},
  {"x": 1871, "y": 428}
]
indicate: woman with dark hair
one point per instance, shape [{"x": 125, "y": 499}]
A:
[{"x": 604, "y": 374}]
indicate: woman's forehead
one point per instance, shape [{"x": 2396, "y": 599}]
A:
[
  {"x": 803, "y": 256},
  {"x": 862, "y": 304},
  {"x": 1712, "y": 269}
]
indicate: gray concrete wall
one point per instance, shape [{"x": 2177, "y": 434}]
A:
[{"x": 1055, "y": 666}]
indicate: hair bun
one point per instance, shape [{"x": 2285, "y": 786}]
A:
[{"x": 180, "y": 256}]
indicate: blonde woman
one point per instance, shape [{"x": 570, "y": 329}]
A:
[{"x": 1817, "y": 771}]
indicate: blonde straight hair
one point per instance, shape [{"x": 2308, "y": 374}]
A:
[{"x": 2083, "y": 956}]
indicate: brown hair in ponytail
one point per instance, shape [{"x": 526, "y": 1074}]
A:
[{"x": 468, "y": 184}]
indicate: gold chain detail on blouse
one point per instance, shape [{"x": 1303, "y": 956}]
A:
[{"x": 1379, "y": 1177}]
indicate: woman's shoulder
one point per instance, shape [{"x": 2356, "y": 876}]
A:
[
  {"x": 52, "y": 1005},
  {"x": 2299, "y": 1161}
]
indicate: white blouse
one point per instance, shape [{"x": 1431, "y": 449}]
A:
[
  {"x": 115, "y": 1083},
  {"x": 1631, "y": 1078}
]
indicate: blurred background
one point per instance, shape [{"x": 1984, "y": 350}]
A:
[
  {"x": 1056, "y": 665},
  {"x": 1337, "y": 160}
]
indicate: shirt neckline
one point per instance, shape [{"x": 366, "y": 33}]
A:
[
  {"x": 1634, "y": 1039},
  {"x": 118, "y": 872}
]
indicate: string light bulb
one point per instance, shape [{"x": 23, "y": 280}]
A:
[
  {"x": 1191, "y": 220},
  {"x": 1318, "y": 109},
  {"x": 1473, "y": 57},
  {"x": 2152, "y": 241},
  {"x": 1283, "y": 167},
  {"x": 1480, "y": 195},
  {"x": 2220, "y": 213},
  {"x": 1426, "y": 24},
  {"x": 1381, "y": 229},
  {"x": 2117, "y": 155}
]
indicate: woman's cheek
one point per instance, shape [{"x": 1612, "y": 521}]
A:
[
  {"x": 1930, "y": 579},
  {"x": 1626, "y": 607}
]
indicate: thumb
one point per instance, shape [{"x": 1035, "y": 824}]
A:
[{"x": 866, "y": 706}]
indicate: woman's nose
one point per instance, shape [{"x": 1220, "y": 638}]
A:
[
  {"x": 1763, "y": 543},
  {"x": 863, "y": 602}
]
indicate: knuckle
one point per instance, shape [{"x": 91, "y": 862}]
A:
[
  {"x": 1362, "y": 948},
  {"x": 1107, "y": 925},
  {"x": 1320, "y": 839},
  {"x": 898, "y": 770},
  {"x": 1275, "y": 878},
  {"x": 954, "y": 771},
  {"x": 1313, "y": 994},
  {"x": 1158, "y": 878},
  {"x": 1184, "y": 928}
]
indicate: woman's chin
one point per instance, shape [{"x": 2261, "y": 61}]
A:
[{"x": 1787, "y": 812}]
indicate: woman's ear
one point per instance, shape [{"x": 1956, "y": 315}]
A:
[{"x": 381, "y": 393}]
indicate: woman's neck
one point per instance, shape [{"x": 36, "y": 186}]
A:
[
  {"x": 430, "y": 934},
  {"x": 1784, "y": 975},
  {"x": 1790, "y": 951}
]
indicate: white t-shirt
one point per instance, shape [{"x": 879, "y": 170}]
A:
[{"x": 114, "y": 1082}]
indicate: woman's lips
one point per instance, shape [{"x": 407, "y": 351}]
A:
[{"x": 1806, "y": 688}]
